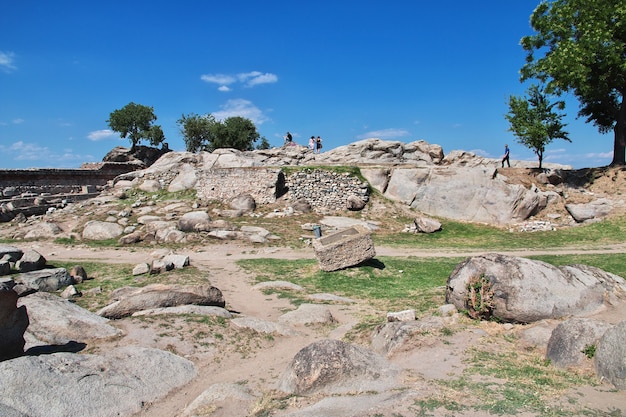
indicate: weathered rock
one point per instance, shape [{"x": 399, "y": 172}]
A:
[
  {"x": 49, "y": 280},
  {"x": 395, "y": 336},
  {"x": 186, "y": 309},
  {"x": 231, "y": 399},
  {"x": 78, "y": 274},
  {"x": 610, "y": 356},
  {"x": 43, "y": 230},
  {"x": 130, "y": 299},
  {"x": 12, "y": 252},
  {"x": 243, "y": 202},
  {"x": 194, "y": 221},
  {"x": 140, "y": 269},
  {"x": 98, "y": 230},
  {"x": 150, "y": 186},
  {"x": 344, "y": 249},
  {"x": 185, "y": 180},
  {"x": 594, "y": 210},
  {"x": 525, "y": 291},
  {"x": 31, "y": 260},
  {"x": 308, "y": 314},
  {"x": 301, "y": 205},
  {"x": 263, "y": 326},
  {"x": 426, "y": 225},
  {"x": 179, "y": 261},
  {"x": 159, "y": 265},
  {"x": 131, "y": 238},
  {"x": 355, "y": 203},
  {"x": 117, "y": 383},
  {"x": 13, "y": 324},
  {"x": 378, "y": 178},
  {"x": 70, "y": 292},
  {"x": 405, "y": 315},
  {"x": 56, "y": 321},
  {"x": 570, "y": 338},
  {"x": 331, "y": 367}
]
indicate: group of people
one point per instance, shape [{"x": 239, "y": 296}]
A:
[{"x": 315, "y": 144}]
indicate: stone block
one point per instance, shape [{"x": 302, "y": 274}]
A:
[{"x": 344, "y": 249}]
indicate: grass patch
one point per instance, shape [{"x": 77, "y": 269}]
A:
[
  {"x": 390, "y": 283},
  {"x": 107, "y": 277},
  {"x": 457, "y": 235},
  {"x": 501, "y": 379},
  {"x": 614, "y": 263}
]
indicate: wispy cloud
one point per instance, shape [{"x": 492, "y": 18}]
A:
[
  {"x": 42, "y": 156},
  {"x": 390, "y": 133},
  {"x": 103, "y": 134},
  {"x": 7, "y": 61},
  {"x": 242, "y": 108},
  {"x": 247, "y": 79},
  {"x": 17, "y": 121}
]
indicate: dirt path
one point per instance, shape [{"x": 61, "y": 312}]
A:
[{"x": 257, "y": 362}]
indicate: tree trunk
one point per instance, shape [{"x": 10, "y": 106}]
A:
[
  {"x": 540, "y": 156},
  {"x": 619, "y": 145}
]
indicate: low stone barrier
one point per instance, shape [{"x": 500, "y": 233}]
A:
[{"x": 345, "y": 248}]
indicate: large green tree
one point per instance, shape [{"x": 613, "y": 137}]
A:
[
  {"x": 198, "y": 131},
  {"x": 135, "y": 121},
  {"x": 535, "y": 121},
  {"x": 580, "y": 47},
  {"x": 235, "y": 132}
]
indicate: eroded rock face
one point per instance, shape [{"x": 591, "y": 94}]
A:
[
  {"x": 332, "y": 366},
  {"x": 569, "y": 339},
  {"x": 526, "y": 291}
]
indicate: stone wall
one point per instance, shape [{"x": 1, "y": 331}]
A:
[
  {"x": 264, "y": 184},
  {"x": 14, "y": 182},
  {"x": 326, "y": 189}
]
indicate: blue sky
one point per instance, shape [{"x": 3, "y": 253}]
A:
[{"x": 439, "y": 71}]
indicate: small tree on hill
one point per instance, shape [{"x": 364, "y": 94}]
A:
[
  {"x": 534, "y": 122},
  {"x": 198, "y": 131},
  {"x": 135, "y": 122},
  {"x": 234, "y": 132}
]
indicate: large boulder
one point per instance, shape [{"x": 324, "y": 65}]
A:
[
  {"x": 610, "y": 356},
  {"x": 56, "y": 321},
  {"x": 49, "y": 279},
  {"x": 118, "y": 383},
  {"x": 142, "y": 156},
  {"x": 130, "y": 300},
  {"x": 98, "y": 230},
  {"x": 522, "y": 290},
  {"x": 194, "y": 221},
  {"x": 344, "y": 249},
  {"x": 31, "y": 260},
  {"x": 333, "y": 367},
  {"x": 464, "y": 193},
  {"x": 569, "y": 340},
  {"x": 10, "y": 253},
  {"x": 13, "y": 324},
  {"x": 589, "y": 211}
]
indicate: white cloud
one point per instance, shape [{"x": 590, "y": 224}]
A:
[
  {"x": 481, "y": 152},
  {"x": 242, "y": 108},
  {"x": 385, "y": 134},
  {"x": 42, "y": 156},
  {"x": 218, "y": 79},
  {"x": 253, "y": 78},
  {"x": 248, "y": 79},
  {"x": 103, "y": 134},
  {"x": 17, "y": 121},
  {"x": 7, "y": 61}
]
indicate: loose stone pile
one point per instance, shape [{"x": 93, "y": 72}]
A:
[{"x": 326, "y": 189}]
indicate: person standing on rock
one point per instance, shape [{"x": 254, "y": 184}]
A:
[
  {"x": 288, "y": 139},
  {"x": 318, "y": 144},
  {"x": 506, "y": 156},
  {"x": 312, "y": 144}
]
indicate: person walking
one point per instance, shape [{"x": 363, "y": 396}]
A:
[{"x": 505, "y": 158}]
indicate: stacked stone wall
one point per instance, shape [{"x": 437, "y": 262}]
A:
[
  {"x": 14, "y": 182},
  {"x": 326, "y": 189}
]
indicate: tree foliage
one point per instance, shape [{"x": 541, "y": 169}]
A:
[
  {"x": 198, "y": 131},
  {"x": 135, "y": 121},
  {"x": 535, "y": 122},
  {"x": 580, "y": 47},
  {"x": 235, "y": 132},
  {"x": 204, "y": 133}
]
